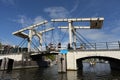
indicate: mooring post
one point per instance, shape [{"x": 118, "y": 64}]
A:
[{"x": 62, "y": 63}]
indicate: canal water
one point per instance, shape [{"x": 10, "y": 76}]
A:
[{"x": 101, "y": 71}]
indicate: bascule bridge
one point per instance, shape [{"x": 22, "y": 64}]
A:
[{"x": 78, "y": 48}]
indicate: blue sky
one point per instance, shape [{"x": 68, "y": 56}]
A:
[{"x": 17, "y": 14}]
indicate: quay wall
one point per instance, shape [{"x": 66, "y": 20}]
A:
[
  {"x": 22, "y": 61},
  {"x": 16, "y": 57}
]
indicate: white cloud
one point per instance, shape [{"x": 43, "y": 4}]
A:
[
  {"x": 95, "y": 15},
  {"x": 11, "y": 2},
  {"x": 57, "y": 12},
  {"x": 98, "y": 36},
  {"x": 23, "y": 20},
  {"x": 116, "y": 30},
  {"x": 61, "y": 12},
  {"x": 75, "y": 6},
  {"x": 38, "y": 19},
  {"x": 115, "y": 26},
  {"x": 90, "y": 5}
]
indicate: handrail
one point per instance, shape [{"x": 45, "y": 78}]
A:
[{"x": 101, "y": 45}]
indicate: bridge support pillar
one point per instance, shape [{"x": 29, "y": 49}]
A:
[
  {"x": 4, "y": 63},
  {"x": 61, "y": 62},
  {"x": 71, "y": 61},
  {"x": 7, "y": 64}
]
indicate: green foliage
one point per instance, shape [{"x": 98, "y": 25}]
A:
[{"x": 52, "y": 57}]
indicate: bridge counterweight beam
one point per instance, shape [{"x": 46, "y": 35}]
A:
[{"x": 31, "y": 27}]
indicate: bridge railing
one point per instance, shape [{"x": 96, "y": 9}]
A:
[
  {"x": 99, "y": 46},
  {"x": 12, "y": 51},
  {"x": 79, "y": 46},
  {"x": 89, "y": 46}
]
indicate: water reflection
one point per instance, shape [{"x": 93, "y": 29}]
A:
[
  {"x": 9, "y": 76},
  {"x": 100, "y": 71}
]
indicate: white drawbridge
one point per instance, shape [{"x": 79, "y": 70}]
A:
[{"x": 32, "y": 32}]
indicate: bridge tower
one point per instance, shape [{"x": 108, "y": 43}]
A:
[
  {"x": 32, "y": 32},
  {"x": 95, "y": 23}
]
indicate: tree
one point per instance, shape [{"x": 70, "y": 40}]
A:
[{"x": 52, "y": 57}]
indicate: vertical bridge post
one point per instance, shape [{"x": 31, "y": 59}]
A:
[
  {"x": 62, "y": 61},
  {"x": 70, "y": 32}
]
